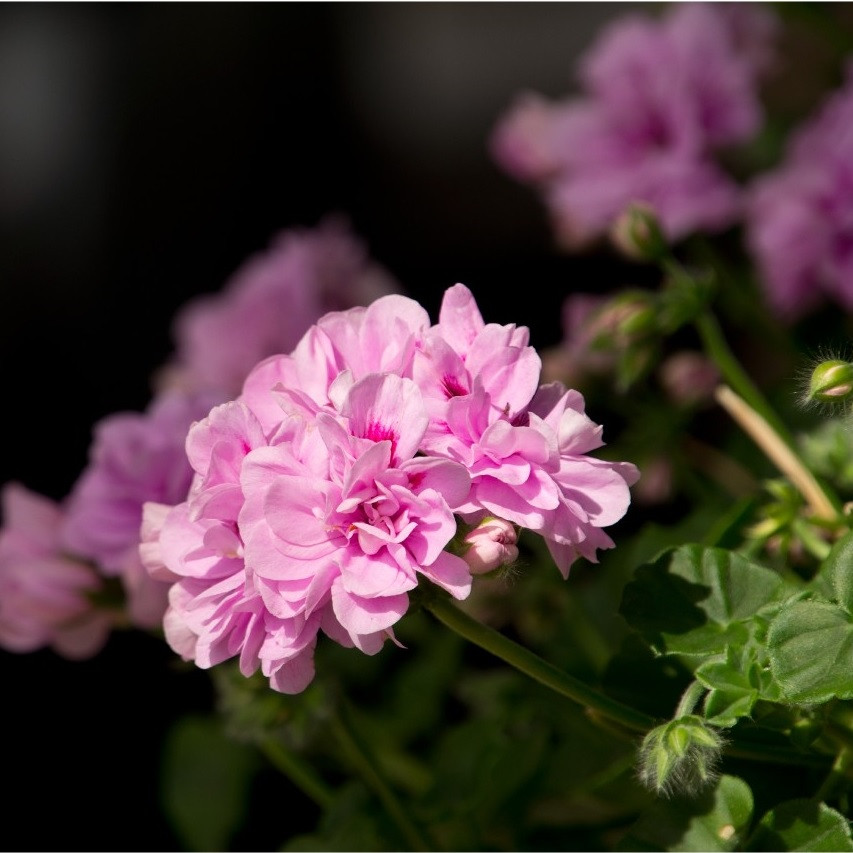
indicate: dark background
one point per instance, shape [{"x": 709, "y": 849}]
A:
[{"x": 145, "y": 151}]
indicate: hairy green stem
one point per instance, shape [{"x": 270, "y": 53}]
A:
[
  {"x": 597, "y": 704},
  {"x": 302, "y": 775},
  {"x": 350, "y": 741},
  {"x": 535, "y": 667},
  {"x": 689, "y": 698},
  {"x": 838, "y": 777}
]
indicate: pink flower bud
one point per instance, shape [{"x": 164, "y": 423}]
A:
[{"x": 490, "y": 546}]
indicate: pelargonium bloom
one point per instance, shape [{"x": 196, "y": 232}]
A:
[
  {"x": 800, "y": 215},
  {"x": 44, "y": 594},
  {"x": 332, "y": 485},
  {"x": 134, "y": 458},
  {"x": 270, "y": 301},
  {"x": 657, "y": 100}
]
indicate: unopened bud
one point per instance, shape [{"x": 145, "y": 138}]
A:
[
  {"x": 624, "y": 320},
  {"x": 637, "y": 234},
  {"x": 680, "y": 756},
  {"x": 490, "y": 545},
  {"x": 831, "y": 381}
]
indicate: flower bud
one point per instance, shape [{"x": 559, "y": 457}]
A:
[
  {"x": 624, "y": 320},
  {"x": 637, "y": 234},
  {"x": 831, "y": 381},
  {"x": 490, "y": 545},
  {"x": 680, "y": 756}
]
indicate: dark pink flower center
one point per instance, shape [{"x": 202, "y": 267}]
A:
[
  {"x": 382, "y": 432},
  {"x": 452, "y": 387}
]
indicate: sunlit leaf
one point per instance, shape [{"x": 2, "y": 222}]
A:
[
  {"x": 811, "y": 651},
  {"x": 699, "y": 601}
]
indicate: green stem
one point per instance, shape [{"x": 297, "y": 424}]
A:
[
  {"x": 299, "y": 773},
  {"x": 735, "y": 376},
  {"x": 351, "y": 743},
  {"x": 837, "y": 778},
  {"x": 600, "y": 705},
  {"x": 689, "y": 698},
  {"x": 535, "y": 667}
]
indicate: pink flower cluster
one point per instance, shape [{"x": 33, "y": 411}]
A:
[
  {"x": 45, "y": 596},
  {"x": 47, "y": 576},
  {"x": 269, "y": 302},
  {"x": 800, "y": 215},
  {"x": 659, "y": 98},
  {"x": 335, "y": 481}
]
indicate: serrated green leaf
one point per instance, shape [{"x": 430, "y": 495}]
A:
[
  {"x": 715, "y": 820},
  {"x": 835, "y": 577},
  {"x": 811, "y": 651},
  {"x": 802, "y": 825},
  {"x": 206, "y": 778},
  {"x": 725, "y": 707},
  {"x": 694, "y": 600}
]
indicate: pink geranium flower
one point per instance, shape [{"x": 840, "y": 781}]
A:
[
  {"x": 331, "y": 486},
  {"x": 44, "y": 594},
  {"x": 524, "y": 446},
  {"x": 800, "y": 215},
  {"x": 658, "y": 98}
]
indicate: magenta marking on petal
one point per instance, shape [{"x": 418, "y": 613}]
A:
[
  {"x": 452, "y": 387},
  {"x": 382, "y": 432}
]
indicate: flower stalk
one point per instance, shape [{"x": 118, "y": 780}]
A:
[
  {"x": 536, "y": 668},
  {"x": 779, "y": 451},
  {"x": 301, "y": 774},
  {"x": 359, "y": 756}
]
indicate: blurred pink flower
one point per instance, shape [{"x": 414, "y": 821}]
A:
[
  {"x": 44, "y": 594},
  {"x": 269, "y": 303},
  {"x": 689, "y": 378},
  {"x": 659, "y": 97},
  {"x": 800, "y": 215},
  {"x": 134, "y": 457}
]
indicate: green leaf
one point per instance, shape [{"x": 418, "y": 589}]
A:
[
  {"x": 699, "y": 601},
  {"x": 810, "y": 644},
  {"x": 716, "y": 820},
  {"x": 724, "y": 707},
  {"x": 802, "y": 825},
  {"x": 351, "y": 823},
  {"x": 736, "y": 682},
  {"x": 835, "y": 578},
  {"x": 206, "y": 779}
]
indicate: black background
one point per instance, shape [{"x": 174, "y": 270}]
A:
[{"x": 145, "y": 151}]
